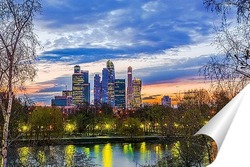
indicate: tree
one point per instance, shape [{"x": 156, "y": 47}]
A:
[
  {"x": 17, "y": 51},
  {"x": 230, "y": 70},
  {"x": 131, "y": 127},
  {"x": 195, "y": 110},
  {"x": 47, "y": 120},
  {"x": 223, "y": 7}
]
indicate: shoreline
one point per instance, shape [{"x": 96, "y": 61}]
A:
[{"x": 93, "y": 140}]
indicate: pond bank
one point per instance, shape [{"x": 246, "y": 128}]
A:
[{"x": 94, "y": 140}]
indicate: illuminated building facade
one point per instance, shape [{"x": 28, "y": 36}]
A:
[
  {"x": 61, "y": 101},
  {"x": 80, "y": 86},
  {"x": 97, "y": 89},
  {"x": 120, "y": 97},
  {"x": 136, "y": 83},
  {"x": 86, "y": 86},
  {"x": 67, "y": 93},
  {"x": 104, "y": 89},
  {"x": 129, "y": 89},
  {"x": 166, "y": 101},
  {"x": 111, "y": 83}
]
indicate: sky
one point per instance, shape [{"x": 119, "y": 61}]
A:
[{"x": 165, "y": 41}]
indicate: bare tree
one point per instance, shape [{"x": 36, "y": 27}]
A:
[
  {"x": 230, "y": 70},
  {"x": 17, "y": 52},
  {"x": 224, "y": 7}
]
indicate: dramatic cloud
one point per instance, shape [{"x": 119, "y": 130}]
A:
[{"x": 163, "y": 41}]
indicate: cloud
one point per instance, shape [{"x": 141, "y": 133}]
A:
[
  {"x": 117, "y": 24},
  {"x": 162, "y": 40},
  {"x": 85, "y": 55},
  {"x": 43, "y": 98},
  {"x": 149, "y": 98},
  {"x": 52, "y": 89},
  {"x": 187, "y": 68}
]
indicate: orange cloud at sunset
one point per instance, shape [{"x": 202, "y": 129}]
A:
[{"x": 153, "y": 93}]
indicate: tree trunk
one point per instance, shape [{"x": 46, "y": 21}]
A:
[{"x": 6, "y": 132}]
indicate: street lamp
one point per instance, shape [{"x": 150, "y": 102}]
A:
[{"x": 70, "y": 127}]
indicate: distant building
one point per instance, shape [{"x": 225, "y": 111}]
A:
[
  {"x": 111, "y": 83},
  {"x": 66, "y": 93},
  {"x": 136, "y": 83},
  {"x": 104, "y": 89},
  {"x": 108, "y": 84},
  {"x": 61, "y": 101},
  {"x": 86, "y": 86},
  {"x": 166, "y": 101},
  {"x": 129, "y": 88},
  {"x": 97, "y": 89},
  {"x": 120, "y": 97},
  {"x": 80, "y": 86}
]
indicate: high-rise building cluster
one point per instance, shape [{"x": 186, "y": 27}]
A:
[
  {"x": 112, "y": 91},
  {"x": 107, "y": 89}
]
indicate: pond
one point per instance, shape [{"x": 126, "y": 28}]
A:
[
  {"x": 142, "y": 154},
  {"x": 106, "y": 155}
]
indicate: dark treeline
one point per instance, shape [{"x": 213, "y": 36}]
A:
[{"x": 195, "y": 108}]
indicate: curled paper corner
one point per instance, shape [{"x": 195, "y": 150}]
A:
[{"x": 229, "y": 129}]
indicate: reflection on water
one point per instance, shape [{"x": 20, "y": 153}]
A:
[
  {"x": 106, "y": 155},
  {"x": 69, "y": 155},
  {"x": 175, "y": 149},
  {"x": 41, "y": 157},
  {"x": 23, "y": 154}
]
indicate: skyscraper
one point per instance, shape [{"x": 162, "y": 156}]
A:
[
  {"x": 86, "y": 86},
  {"x": 97, "y": 89},
  {"x": 120, "y": 97},
  {"x": 136, "y": 83},
  {"x": 80, "y": 86},
  {"x": 111, "y": 83},
  {"x": 129, "y": 88},
  {"x": 104, "y": 89},
  {"x": 166, "y": 101}
]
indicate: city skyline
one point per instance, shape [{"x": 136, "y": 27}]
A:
[
  {"x": 165, "y": 46},
  {"x": 107, "y": 89}
]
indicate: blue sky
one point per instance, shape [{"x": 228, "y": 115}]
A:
[{"x": 164, "y": 41}]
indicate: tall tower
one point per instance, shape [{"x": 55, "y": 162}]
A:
[
  {"x": 136, "y": 83},
  {"x": 97, "y": 89},
  {"x": 80, "y": 86},
  {"x": 104, "y": 89},
  {"x": 111, "y": 83},
  {"x": 86, "y": 86},
  {"x": 120, "y": 97},
  {"x": 129, "y": 89}
]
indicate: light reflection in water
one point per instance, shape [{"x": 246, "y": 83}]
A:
[
  {"x": 143, "y": 151},
  {"x": 41, "y": 157},
  {"x": 69, "y": 155},
  {"x": 107, "y": 155},
  {"x": 86, "y": 150},
  {"x": 23, "y": 154},
  {"x": 175, "y": 149},
  {"x": 97, "y": 152},
  {"x": 128, "y": 151},
  {"x": 158, "y": 151}
]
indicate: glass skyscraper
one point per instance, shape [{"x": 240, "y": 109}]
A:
[
  {"x": 111, "y": 83},
  {"x": 86, "y": 86},
  {"x": 80, "y": 86},
  {"x": 104, "y": 90},
  {"x": 129, "y": 89},
  {"x": 136, "y": 83},
  {"x": 97, "y": 89},
  {"x": 120, "y": 97}
]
